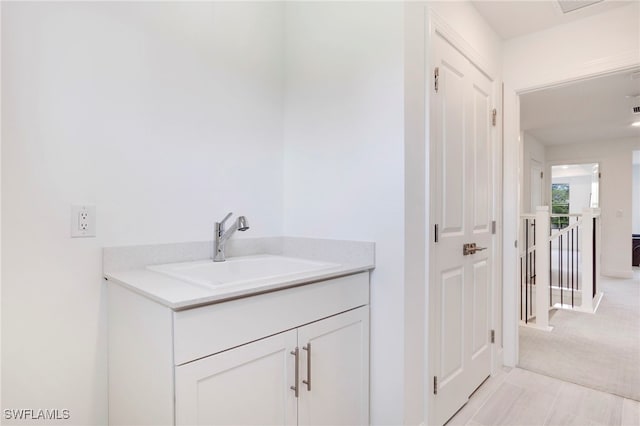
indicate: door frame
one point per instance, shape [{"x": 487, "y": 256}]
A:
[
  {"x": 543, "y": 191},
  {"x": 436, "y": 25},
  {"x": 512, "y": 172}
]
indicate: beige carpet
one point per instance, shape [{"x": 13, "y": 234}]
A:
[{"x": 600, "y": 351}]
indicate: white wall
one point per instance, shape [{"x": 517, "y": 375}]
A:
[
  {"x": 615, "y": 196},
  {"x": 415, "y": 212},
  {"x": 166, "y": 116},
  {"x": 533, "y": 150},
  {"x": 635, "y": 209},
  {"x": 344, "y": 157}
]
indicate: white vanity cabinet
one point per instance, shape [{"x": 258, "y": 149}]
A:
[
  {"x": 235, "y": 362},
  {"x": 256, "y": 383}
]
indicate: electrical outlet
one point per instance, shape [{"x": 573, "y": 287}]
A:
[{"x": 83, "y": 220}]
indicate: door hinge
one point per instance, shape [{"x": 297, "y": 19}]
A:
[
  {"x": 435, "y": 385},
  {"x": 493, "y": 227},
  {"x": 435, "y": 233},
  {"x": 541, "y": 175},
  {"x": 436, "y": 75},
  {"x": 494, "y": 116},
  {"x": 599, "y": 175},
  {"x": 515, "y": 243},
  {"x": 493, "y": 336}
]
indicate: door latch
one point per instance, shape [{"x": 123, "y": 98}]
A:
[{"x": 471, "y": 248}]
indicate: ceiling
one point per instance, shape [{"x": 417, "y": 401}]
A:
[
  {"x": 573, "y": 170},
  {"x": 597, "y": 109},
  {"x": 515, "y": 18},
  {"x": 591, "y": 110}
]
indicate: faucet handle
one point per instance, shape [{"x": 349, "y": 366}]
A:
[{"x": 225, "y": 219}]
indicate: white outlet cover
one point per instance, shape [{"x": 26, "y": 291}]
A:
[{"x": 83, "y": 220}]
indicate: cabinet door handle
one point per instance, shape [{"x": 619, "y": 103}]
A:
[
  {"x": 296, "y": 353},
  {"x": 308, "y": 381}
]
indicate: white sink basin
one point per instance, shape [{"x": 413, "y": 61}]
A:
[{"x": 241, "y": 270}]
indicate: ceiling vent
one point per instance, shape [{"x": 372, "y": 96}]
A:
[{"x": 571, "y": 5}]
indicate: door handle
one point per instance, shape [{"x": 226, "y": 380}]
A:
[{"x": 471, "y": 248}]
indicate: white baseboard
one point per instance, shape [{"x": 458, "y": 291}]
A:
[
  {"x": 617, "y": 274},
  {"x": 577, "y": 296},
  {"x": 534, "y": 325}
]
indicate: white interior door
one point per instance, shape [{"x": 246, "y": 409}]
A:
[{"x": 462, "y": 210}]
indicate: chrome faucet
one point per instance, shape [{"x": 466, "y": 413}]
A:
[{"x": 220, "y": 236}]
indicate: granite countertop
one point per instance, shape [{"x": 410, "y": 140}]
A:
[{"x": 127, "y": 266}]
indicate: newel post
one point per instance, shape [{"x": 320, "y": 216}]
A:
[{"x": 542, "y": 261}]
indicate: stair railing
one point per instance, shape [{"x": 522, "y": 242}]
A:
[{"x": 558, "y": 267}]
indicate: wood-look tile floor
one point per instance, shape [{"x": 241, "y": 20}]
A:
[{"x": 520, "y": 397}]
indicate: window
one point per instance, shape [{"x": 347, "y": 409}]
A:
[{"x": 559, "y": 204}]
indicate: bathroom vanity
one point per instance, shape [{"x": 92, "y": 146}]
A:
[{"x": 279, "y": 339}]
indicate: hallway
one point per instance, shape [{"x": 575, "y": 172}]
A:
[{"x": 600, "y": 351}]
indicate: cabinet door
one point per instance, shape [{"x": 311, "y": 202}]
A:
[
  {"x": 337, "y": 392},
  {"x": 248, "y": 385}
]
